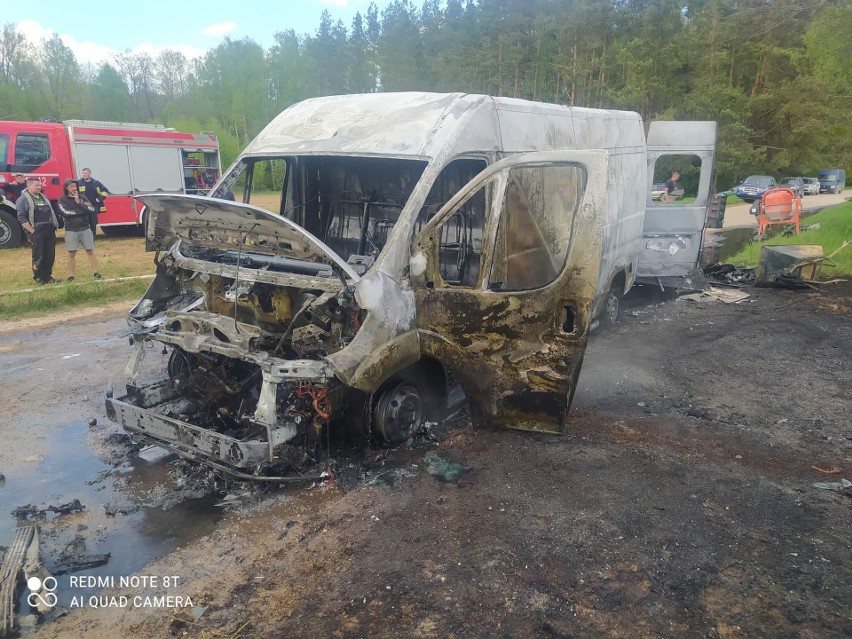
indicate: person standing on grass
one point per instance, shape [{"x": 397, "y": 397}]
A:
[
  {"x": 39, "y": 220},
  {"x": 95, "y": 192},
  {"x": 77, "y": 211},
  {"x": 671, "y": 185}
]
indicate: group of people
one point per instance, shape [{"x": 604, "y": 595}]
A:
[{"x": 78, "y": 207}]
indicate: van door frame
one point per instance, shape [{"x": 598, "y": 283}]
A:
[
  {"x": 516, "y": 353},
  {"x": 673, "y": 234}
]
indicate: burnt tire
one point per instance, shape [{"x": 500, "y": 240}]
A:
[
  {"x": 612, "y": 309},
  {"x": 399, "y": 412},
  {"x": 11, "y": 233}
]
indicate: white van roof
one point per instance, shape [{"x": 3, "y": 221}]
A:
[{"x": 419, "y": 124}]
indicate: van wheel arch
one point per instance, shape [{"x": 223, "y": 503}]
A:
[{"x": 408, "y": 399}]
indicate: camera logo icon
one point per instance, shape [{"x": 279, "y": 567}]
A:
[{"x": 42, "y": 592}]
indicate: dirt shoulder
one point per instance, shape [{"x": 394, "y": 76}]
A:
[
  {"x": 55, "y": 369},
  {"x": 678, "y": 503},
  {"x": 66, "y": 316}
]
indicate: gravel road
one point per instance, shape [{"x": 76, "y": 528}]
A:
[{"x": 678, "y": 503}]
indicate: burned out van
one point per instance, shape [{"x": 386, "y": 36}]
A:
[{"x": 380, "y": 246}]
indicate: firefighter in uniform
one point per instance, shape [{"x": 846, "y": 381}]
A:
[
  {"x": 37, "y": 217},
  {"x": 95, "y": 192}
]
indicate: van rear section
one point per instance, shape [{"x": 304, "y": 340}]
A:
[{"x": 673, "y": 232}]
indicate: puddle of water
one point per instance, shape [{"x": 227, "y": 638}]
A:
[{"x": 71, "y": 470}]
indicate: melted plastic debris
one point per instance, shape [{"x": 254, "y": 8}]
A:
[{"x": 444, "y": 470}]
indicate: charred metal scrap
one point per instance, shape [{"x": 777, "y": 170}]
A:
[{"x": 40, "y": 512}]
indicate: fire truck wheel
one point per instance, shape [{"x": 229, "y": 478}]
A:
[{"x": 11, "y": 232}]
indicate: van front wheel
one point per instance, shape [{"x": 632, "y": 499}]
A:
[{"x": 399, "y": 412}]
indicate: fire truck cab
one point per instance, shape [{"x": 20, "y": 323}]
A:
[{"x": 129, "y": 159}]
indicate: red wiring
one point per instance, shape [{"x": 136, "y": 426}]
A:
[
  {"x": 356, "y": 320},
  {"x": 319, "y": 396}
]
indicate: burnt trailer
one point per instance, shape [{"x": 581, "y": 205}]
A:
[{"x": 381, "y": 245}]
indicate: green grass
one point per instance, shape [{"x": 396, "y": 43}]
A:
[
  {"x": 117, "y": 257},
  {"x": 733, "y": 199},
  {"x": 835, "y": 227},
  {"x": 15, "y": 304}
]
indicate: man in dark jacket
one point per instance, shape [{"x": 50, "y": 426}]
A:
[
  {"x": 77, "y": 210},
  {"x": 95, "y": 192},
  {"x": 14, "y": 189},
  {"x": 37, "y": 217},
  {"x": 671, "y": 185}
]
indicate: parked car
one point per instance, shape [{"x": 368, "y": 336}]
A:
[
  {"x": 658, "y": 189},
  {"x": 797, "y": 184},
  {"x": 811, "y": 186},
  {"x": 754, "y": 186},
  {"x": 832, "y": 180}
]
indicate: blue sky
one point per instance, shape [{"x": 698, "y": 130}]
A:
[{"x": 95, "y": 28}]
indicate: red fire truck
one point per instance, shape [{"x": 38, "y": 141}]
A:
[{"x": 129, "y": 159}]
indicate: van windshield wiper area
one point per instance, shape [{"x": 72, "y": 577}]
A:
[{"x": 258, "y": 261}]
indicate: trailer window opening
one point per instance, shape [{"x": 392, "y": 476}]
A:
[{"x": 4, "y": 149}]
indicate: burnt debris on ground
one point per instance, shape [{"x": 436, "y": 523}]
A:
[{"x": 30, "y": 511}]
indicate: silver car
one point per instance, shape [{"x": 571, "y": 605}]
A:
[{"x": 811, "y": 186}]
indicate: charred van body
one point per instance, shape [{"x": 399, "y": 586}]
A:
[{"x": 408, "y": 239}]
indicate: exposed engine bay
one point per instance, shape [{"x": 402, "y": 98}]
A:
[{"x": 248, "y": 304}]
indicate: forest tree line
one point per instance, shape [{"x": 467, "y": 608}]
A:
[{"x": 775, "y": 74}]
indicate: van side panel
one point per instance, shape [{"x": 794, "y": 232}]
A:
[{"x": 545, "y": 127}]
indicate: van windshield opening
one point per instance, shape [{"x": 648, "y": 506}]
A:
[{"x": 350, "y": 203}]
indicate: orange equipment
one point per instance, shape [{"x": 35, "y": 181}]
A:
[{"x": 778, "y": 206}]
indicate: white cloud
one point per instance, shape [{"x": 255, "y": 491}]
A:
[
  {"x": 96, "y": 54},
  {"x": 220, "y": 29},
  {"x": 33, "y": 31}
]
